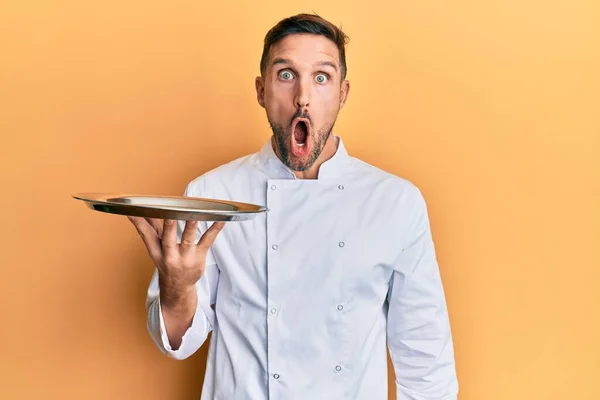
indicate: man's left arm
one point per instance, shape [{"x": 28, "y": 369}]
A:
[{"x": 418, "y": 327}]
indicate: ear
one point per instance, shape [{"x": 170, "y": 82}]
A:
[
  {"x": 260, "y": 91},
  {"x": 344, "y": 90}
]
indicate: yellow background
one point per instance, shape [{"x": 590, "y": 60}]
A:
[{"x": 490, "y": 107}]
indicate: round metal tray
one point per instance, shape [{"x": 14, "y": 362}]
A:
[{"x": 170, "y": 207}]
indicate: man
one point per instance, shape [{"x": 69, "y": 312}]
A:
[{"x": 304, "y": 301}]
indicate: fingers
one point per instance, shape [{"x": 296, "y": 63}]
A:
[
  {"x": 188, "y": 237},
  {"x": 149, "y": 236},
  {"x": 169, "y": 236},
  {"x": 157, "y": 224},
  {"x": 210, "y": 236},
  {"x": 166, "y": 246}
]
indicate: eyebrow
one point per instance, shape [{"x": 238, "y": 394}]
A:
[
  {"x": 280, "y": 61},
  {"x": 328, "y": 63},
  {"x": 321, "y": 63}
]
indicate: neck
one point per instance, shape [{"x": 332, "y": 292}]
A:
[{"x": 329, "y": 151}]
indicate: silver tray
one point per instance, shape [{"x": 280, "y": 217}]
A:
[{"x": 170, "y": 207}]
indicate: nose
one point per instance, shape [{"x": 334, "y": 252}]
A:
[{"x": 302, "y": 98}]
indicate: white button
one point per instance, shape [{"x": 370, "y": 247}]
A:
[
  {"x": 342, "y": 244},
  {"x": 341, "y": 187},
  {"x": 273, "y": 310},
  {"x": 338, "y": 368},
  {"x": 275, "y": 247},
  {"x": 276, "y": 376},
  {"x": 273, "y": 187},
  {"x": 340, "y": 307}
]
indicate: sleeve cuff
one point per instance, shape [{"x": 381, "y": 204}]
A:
[{"x": 192, "y": 339}]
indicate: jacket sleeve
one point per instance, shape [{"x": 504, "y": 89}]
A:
[
  {"x": 204, "y": 317},
  {"x": 419, "y": 335}
]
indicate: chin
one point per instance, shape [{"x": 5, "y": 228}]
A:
[
  {"x": 300, "y": 158},
  {"x": 299, "y": 165}
]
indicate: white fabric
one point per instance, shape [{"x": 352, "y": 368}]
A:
[{"x": 308, "y": 297}]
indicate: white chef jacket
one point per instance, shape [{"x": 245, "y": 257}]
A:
[{"x": 303, "y": 301}]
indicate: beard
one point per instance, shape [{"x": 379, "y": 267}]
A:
[{"x": 283, "y": 138}]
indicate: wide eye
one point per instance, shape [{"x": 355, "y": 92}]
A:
[
  {"x": 321, "y": 78},
  {"x": 285, "y": 75}
]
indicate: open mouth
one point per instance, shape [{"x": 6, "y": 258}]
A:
[{"x": 300, "y": 135}]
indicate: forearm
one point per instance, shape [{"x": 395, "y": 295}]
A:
[
  {"x": 178, "y": 307},
  {"x": 176, "y": 333},
  {"x": 183, "y": 286}
]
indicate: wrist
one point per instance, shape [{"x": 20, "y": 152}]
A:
[{"x": 177, "y": 297}]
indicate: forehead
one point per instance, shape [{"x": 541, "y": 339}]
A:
[{"x": 305, "y": 48}]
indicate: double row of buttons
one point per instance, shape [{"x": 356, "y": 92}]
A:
[{"x": 340, "y": 307}]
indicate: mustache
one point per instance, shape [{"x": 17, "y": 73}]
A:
[{"x": 301, "y": 114}]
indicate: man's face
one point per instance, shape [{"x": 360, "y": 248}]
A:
[{"x": 302, "y": 93}]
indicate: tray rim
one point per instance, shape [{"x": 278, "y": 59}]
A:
[{"x": 103, "y": 198}]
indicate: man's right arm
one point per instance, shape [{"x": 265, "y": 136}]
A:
[
  {"x": 180, "y": 330},
  {"x": 184, "y": 282}
]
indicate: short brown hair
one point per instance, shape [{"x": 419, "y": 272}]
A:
[{"x": 305, "y": 23}]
